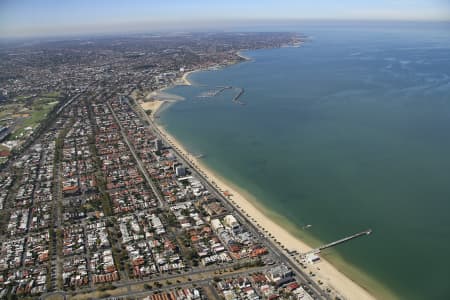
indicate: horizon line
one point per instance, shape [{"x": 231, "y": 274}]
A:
[{"x": 208, "y": 26}]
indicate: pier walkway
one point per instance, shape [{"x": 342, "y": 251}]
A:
[
  {"x": 340, "y": 241},
  {"x": 238, "y": 95}
]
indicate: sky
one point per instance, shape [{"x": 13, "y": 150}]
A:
[{"x": 59, "y": 17}]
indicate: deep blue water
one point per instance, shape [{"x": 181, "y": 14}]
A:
[{"x": 348, "y": 132}]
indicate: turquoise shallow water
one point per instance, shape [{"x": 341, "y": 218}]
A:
[{"x": 348, "y": 132}]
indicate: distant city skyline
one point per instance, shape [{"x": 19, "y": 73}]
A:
[{"x": 52, "y": 17}]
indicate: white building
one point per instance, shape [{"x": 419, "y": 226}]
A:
[
  {"x": 216, "y": 225},
  {"x": 180, "y": 171},
  {"x": 231, "y": 221}
]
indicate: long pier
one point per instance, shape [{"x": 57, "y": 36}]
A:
[
  {"x": 239, "y": 94},
  {"x": 340, "y": 241},
  {"x": 221, "y": 89},
  {"x": 215, "y": 92}
]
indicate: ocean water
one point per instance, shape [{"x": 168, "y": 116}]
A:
[{"x": 349, "y": 131}]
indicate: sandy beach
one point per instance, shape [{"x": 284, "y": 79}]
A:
[
  {"x": 154, "y": 101},
  {"x": 325, "y": 272},
  {"x": 153, "y": 106},
  {"x": 184, "y": 79}
]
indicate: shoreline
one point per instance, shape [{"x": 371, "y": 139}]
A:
[
  {"x": 272, "y": 223},
  {"x": 244, "y": 57},
  {"x": 185, "y": 76}
]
